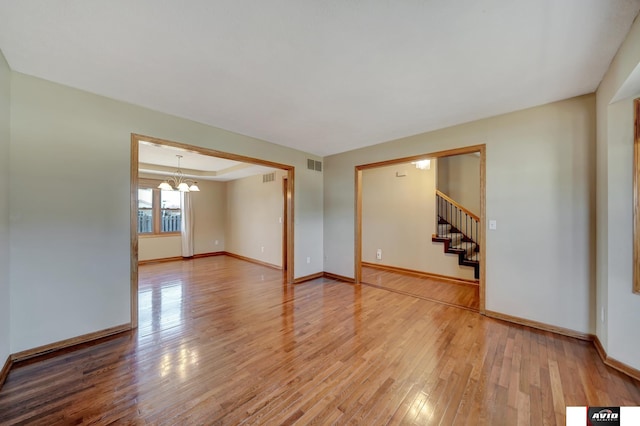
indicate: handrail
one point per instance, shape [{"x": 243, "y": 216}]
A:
[{"x": 446, "y": 197}]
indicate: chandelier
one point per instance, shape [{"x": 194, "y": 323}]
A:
[{"x": 177, "y": 182}]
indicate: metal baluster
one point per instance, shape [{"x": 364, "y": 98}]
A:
[
  {"x": 438, "y": 214},
  {"x": 473, "y": 252},
  {"x": 459, "y": 225},
  {"x": 477, "y": 236},
  {"x": 474, "y": 227},
  {"x": 466, "y": 232}
]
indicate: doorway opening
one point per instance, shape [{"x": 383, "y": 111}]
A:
[
  {"x": 286, "y": 220},
  {"x": 400, "y": 170}
]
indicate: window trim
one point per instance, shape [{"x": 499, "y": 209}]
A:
[{"x": 145, "y": 183}]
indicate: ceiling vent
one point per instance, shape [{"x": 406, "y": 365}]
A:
[
  {"x": 314, "y": 165},
  {"x": 269, "y": 177}
]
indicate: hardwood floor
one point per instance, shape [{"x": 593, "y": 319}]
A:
[
  {"x": 455, "y": 294},
  {"x": 223, "y": 341}
]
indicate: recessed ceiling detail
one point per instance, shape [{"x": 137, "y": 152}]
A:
[{"x": 161, "y": 159}]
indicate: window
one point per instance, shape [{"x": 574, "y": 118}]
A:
[
  {"x": 169, "y": 211},
  {"x": 145, "y": 210},
  {"x": 158, "y": 210}
]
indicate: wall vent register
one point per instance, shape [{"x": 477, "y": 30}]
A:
[
  {"x": 314, "y": 165},
  {"x": 269, "y": 177}
]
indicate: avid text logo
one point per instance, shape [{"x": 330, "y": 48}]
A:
[{"x": 609, "y": 416}]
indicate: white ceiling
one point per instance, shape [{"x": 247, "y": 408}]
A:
[{"x": 321, "y": 76}]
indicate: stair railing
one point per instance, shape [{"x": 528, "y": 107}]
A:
[{"x": 464, "y": 221}]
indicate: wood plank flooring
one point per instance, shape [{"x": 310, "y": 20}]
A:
[
  {"x": 223, "y": 341},
  {"x": 462, "y": 295}
]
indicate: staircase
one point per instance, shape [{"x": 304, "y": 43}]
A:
[{"x": 459, "y": 230}]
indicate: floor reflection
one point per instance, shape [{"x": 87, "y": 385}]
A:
[
  {"x": 180, "y": 363},
  {"x": 161, "y": 309},
  {"x": 176, "y": 302}
]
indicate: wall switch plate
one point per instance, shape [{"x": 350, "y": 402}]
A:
[{"x": 493, "y": 225}]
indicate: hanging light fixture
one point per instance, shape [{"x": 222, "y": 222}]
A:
[{"x": 177, "y": 182}]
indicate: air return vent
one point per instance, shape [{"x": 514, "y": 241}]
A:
[
  {"x": 269, "y": 177},
  {"x": 314, "y": 165}
]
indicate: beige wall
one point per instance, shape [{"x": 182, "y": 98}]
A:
[
  {"x": 209, "y": 209},
  {"x": 618, "y": 309},
  {"x": 398, "y": 216},
  {"x": 309, "y": 218},
  {"x": 538, "y": 260},
  {"x": 5, "y": 296},
  {"x": 210, "y": 215},
  {"x": 254, "y": 218},
  {"x": 69, "y": 262},
  {"x": 159, "y": 246},
  {"x": 459, "y": 178}
]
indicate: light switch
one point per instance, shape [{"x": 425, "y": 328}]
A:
[{"x": 493, "y": 225}]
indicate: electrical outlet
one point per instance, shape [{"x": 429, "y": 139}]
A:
[
  {"x": 308, "y": 260},
  {"x": 216, "y": 242},
  {"x": 379, "y": 254},
  {"x": 262, "y": 249},
  {"x": 602, "y": 315},
  {"x": 493, "y": 225}
]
